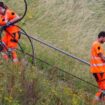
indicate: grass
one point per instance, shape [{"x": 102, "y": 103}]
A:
[
  {"x": 21, "y": 85},
  {"x": 70, "y": 25}
]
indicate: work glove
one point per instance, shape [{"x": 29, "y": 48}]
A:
[{"x": 8, "y": 24}]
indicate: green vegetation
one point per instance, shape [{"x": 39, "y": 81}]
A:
[
  {"x": 26, "y": 85},
  {"x": 71, "y": 25}
]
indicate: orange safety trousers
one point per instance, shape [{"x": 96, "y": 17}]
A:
[
  {"x": 100, "y": 78},
  {"x": 11, "y": 42}
]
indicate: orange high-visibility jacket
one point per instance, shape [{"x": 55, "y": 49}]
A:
[
  {"x": 8, "y": 15},
  {"x": 97, "y": 64}
]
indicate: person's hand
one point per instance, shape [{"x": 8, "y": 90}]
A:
[{"x": 8, "y": 24}]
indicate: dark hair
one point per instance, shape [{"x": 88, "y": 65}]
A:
[
  {"x": 101, "y": 34},
  {"x": 3, "y": 5}
]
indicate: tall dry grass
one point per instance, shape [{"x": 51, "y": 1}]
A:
[{"x": 68, "y": 24}]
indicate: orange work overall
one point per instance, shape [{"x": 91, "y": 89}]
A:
[
  {"x": 11, "y": 37},
  {"x": 98, "y": 67}
]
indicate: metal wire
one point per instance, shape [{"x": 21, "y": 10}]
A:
[{"x": 58, "y": 49}]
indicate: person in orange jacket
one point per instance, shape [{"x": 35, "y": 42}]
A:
[
  {"x": 11, "y": 37},
  {"x": 97, "y": 67}
]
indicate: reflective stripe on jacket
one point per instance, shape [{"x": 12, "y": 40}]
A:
[{"x": 97, "y": 64}]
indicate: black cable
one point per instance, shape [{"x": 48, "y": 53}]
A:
[
  {"x": 14, "y": 38},
  {"x": 55, "y": 49},
  {"x": 20, "y": 44},
  {"x": 62, "y": 70},
  {"x": 2, "y": 28},
  {"x": 32, "y": 47},
  {"x": 25, "y": 2},
  {"x": 69, "y": 73}
]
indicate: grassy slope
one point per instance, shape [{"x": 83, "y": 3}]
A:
[
  {"x": 65, "y": 23},
  {"x": 69, "y": 24}
]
